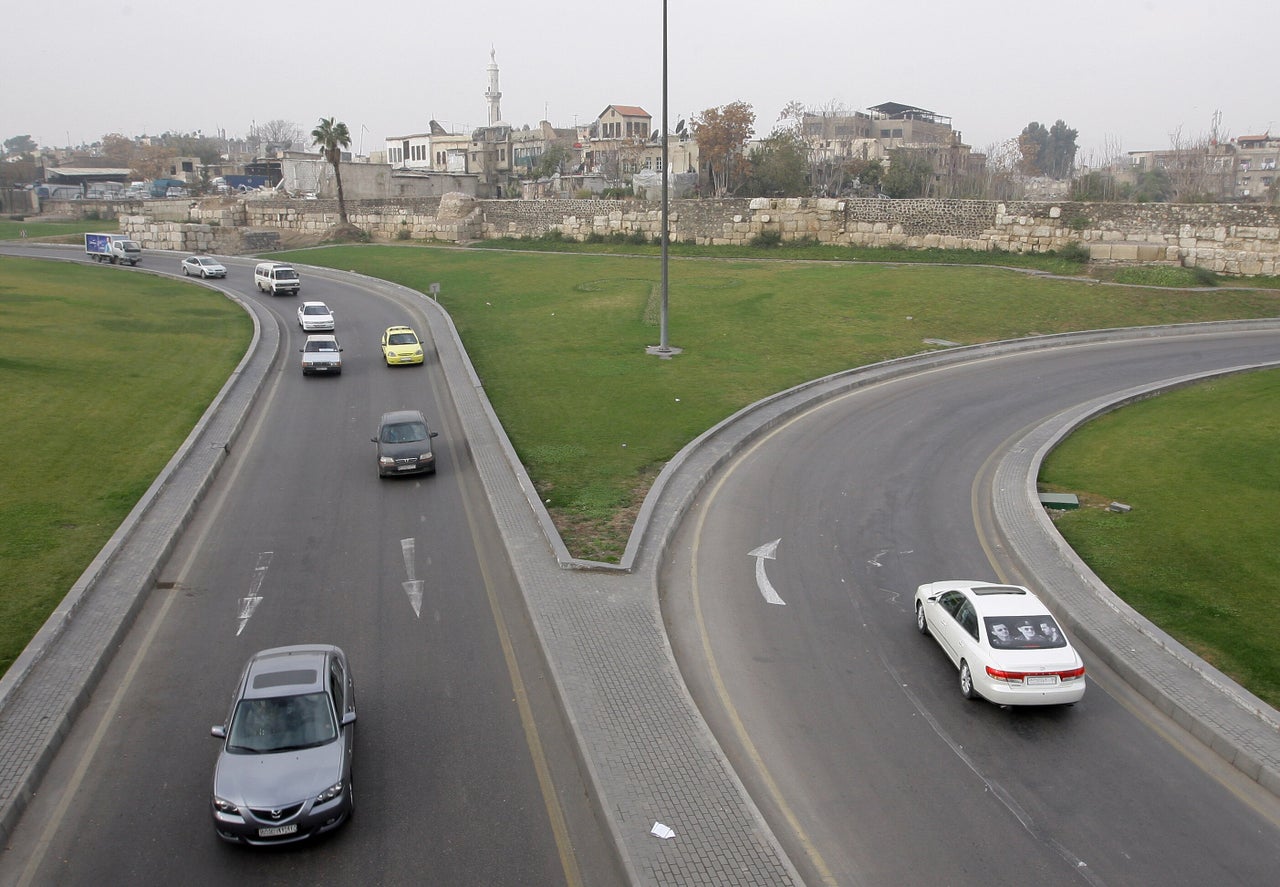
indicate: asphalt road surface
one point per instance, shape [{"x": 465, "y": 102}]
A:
[
  {"x": 848, "y": 726},
  {"x": 464, "y": 771}
]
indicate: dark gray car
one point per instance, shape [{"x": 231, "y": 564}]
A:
[
  {"x": 404, "y": 444},
  {"x": 284, "y": 771}
]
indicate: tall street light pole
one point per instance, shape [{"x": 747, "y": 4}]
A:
[{"x": 664, "y": 349}]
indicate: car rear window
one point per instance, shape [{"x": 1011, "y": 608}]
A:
[{"x": 1024, "y": 632}]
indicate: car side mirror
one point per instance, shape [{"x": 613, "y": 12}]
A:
[
  {"x": 435, "y": 434},
  {"x": 349, "y": 717},
  {"x": 374, "y": 439},
  {"x": 218, "y": 731},
  {"x": 302, "y": 349}
]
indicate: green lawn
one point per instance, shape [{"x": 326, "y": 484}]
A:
[
  {"x": 1198, "y": 554},
  {"x": 105, "y": 372},
  {"x": 63, "y": 232},
  {"x": 559, "y": 341}
]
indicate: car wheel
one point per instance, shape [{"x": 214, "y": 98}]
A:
[
  {"x": 921, "y": 623},
  {"x": 185, "y": 272},
  {"x": 966, "y": 682}
]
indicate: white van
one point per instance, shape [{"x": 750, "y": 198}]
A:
[{"x": 277, "y": 279}]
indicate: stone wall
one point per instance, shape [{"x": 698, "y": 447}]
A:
[{"x": 1229, "y": 239}]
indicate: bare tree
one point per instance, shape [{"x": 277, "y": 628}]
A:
[{"x": 283, "y": 134}]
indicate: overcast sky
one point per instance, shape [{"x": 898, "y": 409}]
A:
[{"x": 1127, "y": 74}]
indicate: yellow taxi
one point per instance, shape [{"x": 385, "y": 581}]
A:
[{"x": 401, "y": 345}]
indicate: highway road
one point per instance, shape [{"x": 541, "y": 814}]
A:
[
  {"x": 464, "y": 774},
  {"x": 848, "y": 726}
]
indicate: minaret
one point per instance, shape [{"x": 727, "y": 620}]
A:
[{"x": 493, "y": 94}]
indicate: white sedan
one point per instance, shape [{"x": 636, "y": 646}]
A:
[
  {"x": 203, "y": 266},
  {"x": 315, "y": 316},
  {"x": 1003, "y": 639}
]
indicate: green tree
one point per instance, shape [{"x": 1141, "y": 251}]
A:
[
  {"x": 20, "y": 146},
  {"x": 552, "y": 161},
  {"x": 1061, "y": 151},
  {"x": 1048, "y": 152},
  {"x": 1153, "y": 186},
  {"x": 778, "y": 167},
  {"x": 1033, "y": 144},
  {"x": 722, "y": 133},
  {"x": 332, "y": 137},
  {"x": 910, "y": 174}
]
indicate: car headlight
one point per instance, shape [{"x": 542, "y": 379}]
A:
[
  {"x": 224, "y": 806},
  {"x": 330, "y": 793},
  {"x": 386, "y": 460},
  {"x": 425, "y": 457},
  {"x": 417, "y": 352}
]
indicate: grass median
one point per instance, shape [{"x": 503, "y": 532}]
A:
[
  {"x": 559, "y": 342},
  {"x": 1197, "y": 554},
  {"x": 105, "y": 371}
]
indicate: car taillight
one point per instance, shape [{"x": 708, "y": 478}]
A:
[{"x": 1019, "y": 677}]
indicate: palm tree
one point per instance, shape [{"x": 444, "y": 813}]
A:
[{"x": 332, "y": 138}]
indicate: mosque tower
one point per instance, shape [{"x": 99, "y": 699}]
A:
[{"x": 493, "y": 94}]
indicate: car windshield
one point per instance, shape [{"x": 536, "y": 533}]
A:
[
  {"x": 314, "y": 309},
  {"x": 403, "y": 339},
  {"x": 404, "y": 432},
  {"x": 286, "y": 274},
  {"x": 281, "y": 723},
  {"x": 1024, "y": 632}
]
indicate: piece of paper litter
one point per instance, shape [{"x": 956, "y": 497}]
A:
[{"x": 662, "y": 831}]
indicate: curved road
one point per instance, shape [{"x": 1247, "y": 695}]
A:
[
  {"x": 848, "y": 726},
  {"x": 842, "y": 722},
  {"x": 464, "y": 770}
]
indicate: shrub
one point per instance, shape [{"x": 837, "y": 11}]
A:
[
  {"x": 637, "y": 237},
  {"x": 594, "y": 237},
  {"x": 404, "y": 233},
  {"x": 1075, "y": 251},
  {"x": 766, "y": 239},
  {"x": 617, "y": 237},
  {"x": 1078, "y": 222},
  {"x": 551, "y": 235}
]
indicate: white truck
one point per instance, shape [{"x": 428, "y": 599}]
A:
[{"x": 112, "y": 248}]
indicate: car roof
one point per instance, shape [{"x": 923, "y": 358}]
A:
[
  {"x": 321, "y": 304},
  {"x": 281, "y": 671},
  {"x": 321, "y": 339},
  {"x": 396, "y": 416},
  {"x": 400, "y": 329}
]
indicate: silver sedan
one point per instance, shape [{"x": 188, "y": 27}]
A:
[
  {"x": 203, "y": 266},
  {"x": 284, "y": 771}
]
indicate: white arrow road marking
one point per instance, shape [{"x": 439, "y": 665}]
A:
[
  {"x": 250, "y": 602},
  {"x": 761, "y": 554},
  {"x": 413, "y": 587}
]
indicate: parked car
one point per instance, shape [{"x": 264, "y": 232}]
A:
[
  {"x": 321, "y": 354},
  {"x": 315, "y": 316},
  {"x": 404, "y": 444},
  {"x": 203, "y": 266},
  {"x": 401, "y": 345},
  {"x": 1003, "y": 639},
  {"x": 284, "y": 771}
]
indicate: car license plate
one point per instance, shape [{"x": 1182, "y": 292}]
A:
[
  {"x": 277, "y": 830},
  {"x": 405, "y": 467},
  {"x": 1041, "y": 679}
]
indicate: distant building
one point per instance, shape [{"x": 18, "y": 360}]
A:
[{"x": 890, "y": 126}]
